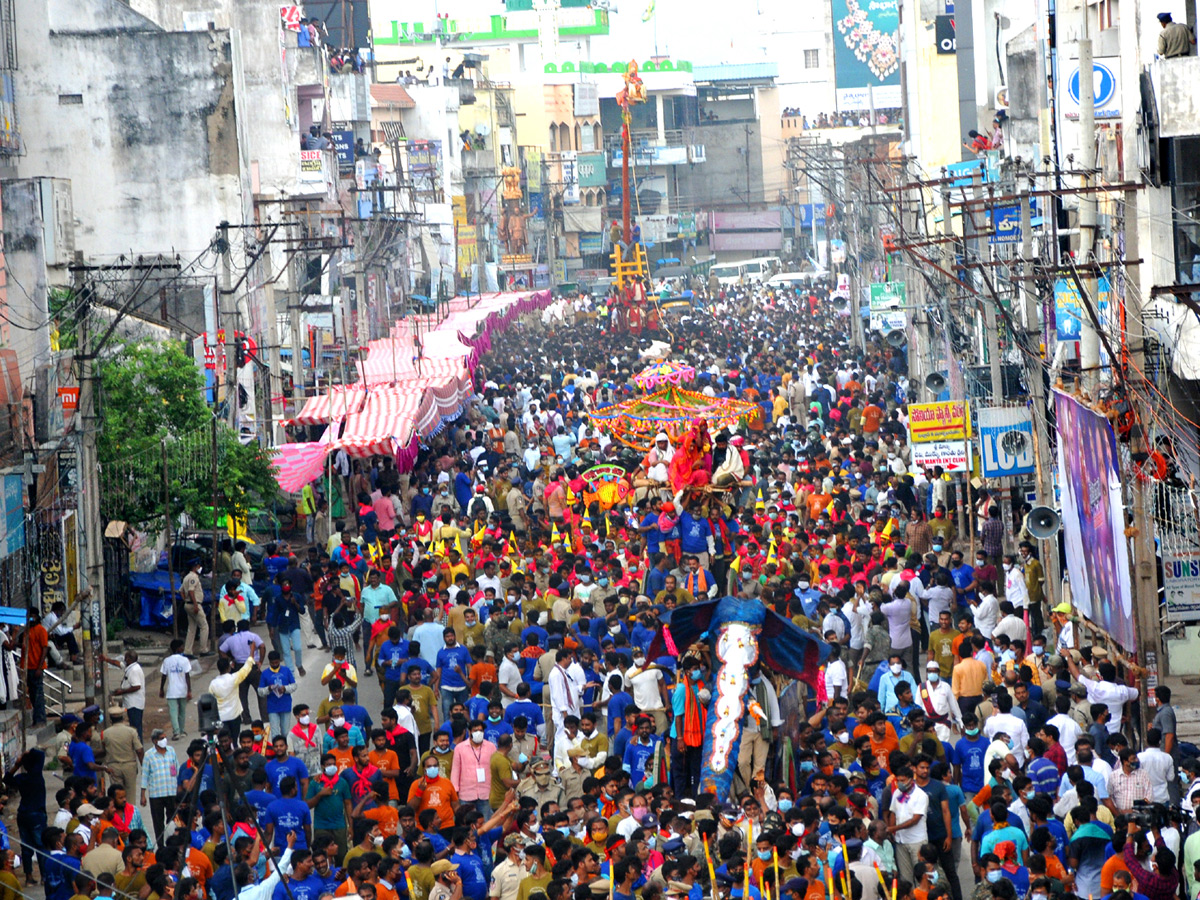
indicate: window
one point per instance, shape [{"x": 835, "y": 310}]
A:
[
  {"x": 1185, "y": 186},
  {"x": 553, "y": 138},
  {"x": 586, "y": 138},
  {"x": 812, "y": 59}
]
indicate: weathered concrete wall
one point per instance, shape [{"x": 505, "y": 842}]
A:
[
  {"x": 141, "y": 120},
  {"x": 720, "y": 181},
  {"x": 25, "y": 275}
]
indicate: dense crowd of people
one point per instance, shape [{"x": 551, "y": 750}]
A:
[{"x": 540, "y": 736}]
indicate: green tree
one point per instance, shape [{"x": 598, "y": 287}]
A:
[{"x": 151, "y": 391}]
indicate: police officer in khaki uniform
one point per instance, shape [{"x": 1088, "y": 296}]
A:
[
  {"x": 507, "y": 877},
  {"x": 542, "y": 786}
]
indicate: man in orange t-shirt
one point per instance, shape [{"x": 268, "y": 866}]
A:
[
  {"x": 872, "y": 418},
  {"x": 433, "y": 792},
  {"x": 35, "y": 664},
  {"x": 388, "y": 764},
  {"x": 385, "y": 817},
  {"x": 882, "y": 742}
]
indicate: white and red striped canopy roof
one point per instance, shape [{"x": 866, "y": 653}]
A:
[{"x": 333, "y": 406}]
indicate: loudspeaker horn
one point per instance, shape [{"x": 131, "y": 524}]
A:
[
  {"x": 896, "y": 338},
  {"x": 936, "y": 382},
  {"x": 1044, "y": 522}
]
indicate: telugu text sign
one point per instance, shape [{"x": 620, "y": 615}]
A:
[
  {"x": 950, "y": 455},
  {"x": 946, "y": 421}
]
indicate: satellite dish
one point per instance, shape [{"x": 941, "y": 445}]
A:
[
  {"x": 1014, "y": 442},
  {"x": 1044, "y": 522},
  {"x": 936, "y": 382},
  {"x": 896, "y": 338},
  {"x": 483, "y": 128}
]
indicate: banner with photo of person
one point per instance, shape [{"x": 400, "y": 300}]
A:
[{"x": 1093, "y": 519}]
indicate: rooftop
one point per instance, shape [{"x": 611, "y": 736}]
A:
[{"x": 761, "y": 71}]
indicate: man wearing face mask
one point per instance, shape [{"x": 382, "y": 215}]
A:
[
  {"x": 906, "y": 815},
  {"x": 470, "y": 772},
  {"x": 434, "y": 791},
  {"x": 646, "y": 683},
  {"x": 508, "y": 875},
  {"x": 938, "y": 700},
  {"x": 329, "y": 798},
  {"x": 304, "y": 738},
  {"x": 689, "y": 706},
  {"x": 541, "y": 786}
]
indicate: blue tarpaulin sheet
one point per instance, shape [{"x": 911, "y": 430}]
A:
[{"x": 151, "y": 594}]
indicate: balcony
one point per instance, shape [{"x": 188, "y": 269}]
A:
[
  {"x": 673, "y": 150},
  {"x": 1175, "y": 83},
  {"x": 479, "y": 162}
]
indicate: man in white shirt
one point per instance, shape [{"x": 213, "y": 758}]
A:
[
  {"x": 1015, "y": 590},
  {"x": 224, "y": 689},
  {"x": 837, "y": 680},
  {"x": 509, "y": 676},
  {"x": 133, "y": 688},
  {"x": 906, "y": 821},
  {"x": 566, "y": 687},
  {"x": 987, "y": 613},
  {"x": 649, "y": 691},
  {"x": 937, "y": 698},
  {"x": 1105, "y": 691},
  {"x": 1011, "y": 624},
  {"x": 1158, "y": 766},
  {"x": 1004, "y": 721},
  {"x": 1068, "y": 729}
]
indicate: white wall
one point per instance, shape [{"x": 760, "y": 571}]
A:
[{"x": 150, "y": 150}]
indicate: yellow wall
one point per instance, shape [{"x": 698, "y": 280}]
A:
[{"x": 934, "y": 79}]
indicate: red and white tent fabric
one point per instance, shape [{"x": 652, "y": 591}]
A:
[
  {"x": 333, "y": 406},
  {"x": 404, "y": 400},
  {"x": 393, "y": 361},
  {"x": 387, "y": 423}
]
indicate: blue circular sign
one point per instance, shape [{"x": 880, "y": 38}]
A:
[{"x": 1103, "y": 81}]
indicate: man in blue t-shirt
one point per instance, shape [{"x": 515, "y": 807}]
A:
[
  {"x": 392, "y": 655},
  {"x": 287, "y": 815},
  {"x": 695, "y": 534},
  {"x": 59, "y": 867},
  {"x": 648, "y": 528},
  {"x": 470, "y": 866},
  {"x": 282, "y": 766},
  {"x": 969, "y": 752},
  {"x": 304, "y": 883},
  {"x": 277, "y": 684},
  {"x": 523, "y": 706},
  {"x": 453, "y": 665},
  {"x": 259, "y": 797},
  {"x": 83, "y": 760},
  {"x": 639, "y": 753}
]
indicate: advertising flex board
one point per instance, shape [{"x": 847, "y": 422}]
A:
[{"x": 866, "y": 55}]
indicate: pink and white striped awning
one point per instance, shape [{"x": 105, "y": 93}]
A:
[
  {"x": 387, "y": 423},
  {"x": 333, "y": 406},
  {"x": 298, "y": 464},
  {"x": 392, "y": 361}
]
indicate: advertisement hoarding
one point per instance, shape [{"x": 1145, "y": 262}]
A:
[
  {"x": 866, "y": 55},
  {"x": 1093, "y": 519},
  {"x": 1000, "y": 454}
]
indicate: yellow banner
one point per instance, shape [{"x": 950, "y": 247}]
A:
[{"x": 947, "y": 421}]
